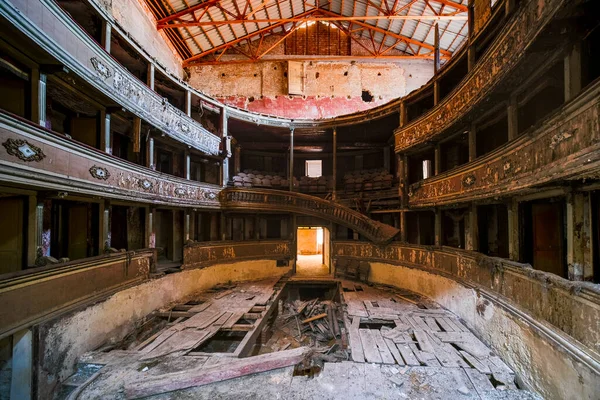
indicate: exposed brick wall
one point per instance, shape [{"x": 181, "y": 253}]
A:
[
  {"x": 330, "y": 88},
  {"x": 318, "y": 39}
]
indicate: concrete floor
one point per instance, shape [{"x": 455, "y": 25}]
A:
[{"x": 311, "y": 265}]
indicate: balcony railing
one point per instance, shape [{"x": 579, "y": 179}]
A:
[
  {"x": 279, "y": 200},
  {"x": 53, "y": 30},
  {"x": 505, "y": 53},
  {"x": 37, "y": 157},
  {"x": 31, "y": 296},
  {"x": 202, "y": 254},
  {"x": 565, "y": 145}
]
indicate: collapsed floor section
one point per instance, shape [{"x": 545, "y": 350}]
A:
[{"x": 304, "y": 330}]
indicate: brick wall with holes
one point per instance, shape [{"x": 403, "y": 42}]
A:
[{"x": 328, "y": 88}]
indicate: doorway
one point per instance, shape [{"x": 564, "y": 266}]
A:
[{"x": 312, "y": 258}]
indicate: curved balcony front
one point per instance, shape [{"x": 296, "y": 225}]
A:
[
  {"x": 37, "y": 157},
  {"x": 279, "y": 200},
  {"x": 507, "y": 51},
  {"x": 566, "y": 145}
]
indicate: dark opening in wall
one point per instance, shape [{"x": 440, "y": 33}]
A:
[
  {"x": 346, "y": 73},
  {"x": 250, "y": 99},
  {"x": 366, "y": 96},
  {"x": 543, "y": 242}
]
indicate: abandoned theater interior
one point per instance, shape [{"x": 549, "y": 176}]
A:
[{"x": 299, "y": 199}]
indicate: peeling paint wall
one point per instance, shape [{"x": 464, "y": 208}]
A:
[
  {"x": 541, "y": 364},
  {"x": 136, "y": 19},
  {"x": 329, "y": 88},
  {"x": 64, "y": 340}
]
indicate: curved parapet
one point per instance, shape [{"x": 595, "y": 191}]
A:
[{"x": 279, "y": 200}]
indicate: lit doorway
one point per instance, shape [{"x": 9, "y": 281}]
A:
[{"x": 313, "y": 256}]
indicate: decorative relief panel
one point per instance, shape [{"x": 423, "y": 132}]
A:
[
  {"x": 99, "y": 173},
  {"x": 568, "y": 144},
  {"x": 202, "y": 254},
  {"x": 67, "y": 163},
  {"x": 155, "y": 108},
  {"x": 23, "y": 150},
  {"x": 507, "y": 51}
]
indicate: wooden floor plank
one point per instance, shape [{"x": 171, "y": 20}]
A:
[
  {"x": 407, "y": 355},
  {"x": 480, "y": 381},
  {"x": 234, "y": 368},
  {"x": 394, "y": 350},
  {"x": 386, "y": 355},
  {"x": 424, "y": 341},
  {"x": 444, "y": 324},
  {"x": 433, "y": 326},
  {"x": 355, "y": 341},
  {"x": 235, "y": 317},
  {"x": 476, "y": 363},
  {"x": 369, "y": 346}
]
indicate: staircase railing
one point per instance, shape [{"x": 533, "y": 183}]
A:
[{"x": 279, "y": 200}]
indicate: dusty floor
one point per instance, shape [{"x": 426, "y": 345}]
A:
[
  {"x": 339, "y": 340},
  {"x": 311, "y": 265}
]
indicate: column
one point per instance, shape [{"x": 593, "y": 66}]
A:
[
  {"x": 150, "y": 235},
  {"x": 575, "y": 236},
  {"x": 436, "y": 92},
  {"x": 472, "y": 229},
  {"x": 32, "y": 229},
  {"x": 512, "y": 112},
  {"x": 187, "y": 164},
  {"x": 226, "y": 147},
  {"x": 137, "y": 134},
  {"x": 334, "y": 194},
  {"x": 105, "y": 214},
  {"x": 222, "y": 226},
  {"x": 38, "y": 97},
  {"x": 291, "y": 164},
  {"x": 22, "y": 365},
  {"x": 573, "y": 77},
  {"x": 150, "y": 154},
  {"x": 471, "y": 49},
  {"x": 472, "y": 143},
  {"x": 513, "y": 231},
  {"x": 403, "y": 114},
  {"x": 437, "y": 162},
  {"x": 403, "y": 233},
  {"x": 403, "y": 171},
  {"x": 436, "y": 51},
  {"x": 151, "y": 72},
  {"x": 105, "y": 137},
  {"x": 106, "y": 35},
  {"x": 188, "y": 103},
  {"x": 438, "y": 227}
]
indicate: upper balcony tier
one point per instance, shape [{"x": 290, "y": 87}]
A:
[
  {"x": 496, "y": 66},
  {"x": 55, "y": 32},
  {"x": 564, "y": 146}
]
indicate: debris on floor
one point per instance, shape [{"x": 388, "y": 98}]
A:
[{"x": 385, "y": 342}]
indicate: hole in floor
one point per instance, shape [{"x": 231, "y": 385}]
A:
[
  {"x": 222, "y": 342},
  {"x": 376, "y": 325}
]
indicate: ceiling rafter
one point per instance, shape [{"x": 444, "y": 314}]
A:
[{"x": 242, "y": 26}]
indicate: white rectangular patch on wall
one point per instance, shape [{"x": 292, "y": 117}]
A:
[
  {"x": 295, "y": 75},
  {"x": 314, "y": 168}
]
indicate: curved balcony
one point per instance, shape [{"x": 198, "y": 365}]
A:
[
  {"x": 279, "y": 200},
  {"x": 38, "y": 157},
  {"x": 566, "y": 145},
  {"x": 45, "y": 23},
  {"x": 54, "y": 290},
  {"x": 203, "y": 254},
  {"x": 508, "y": 49}
]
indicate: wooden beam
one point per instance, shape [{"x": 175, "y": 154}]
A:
[{"x": 447, "y": 17}]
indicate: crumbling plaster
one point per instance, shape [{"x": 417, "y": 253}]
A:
[
  {"x": 330, "y": 88},
  {"x": 64, "y": 340}
]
